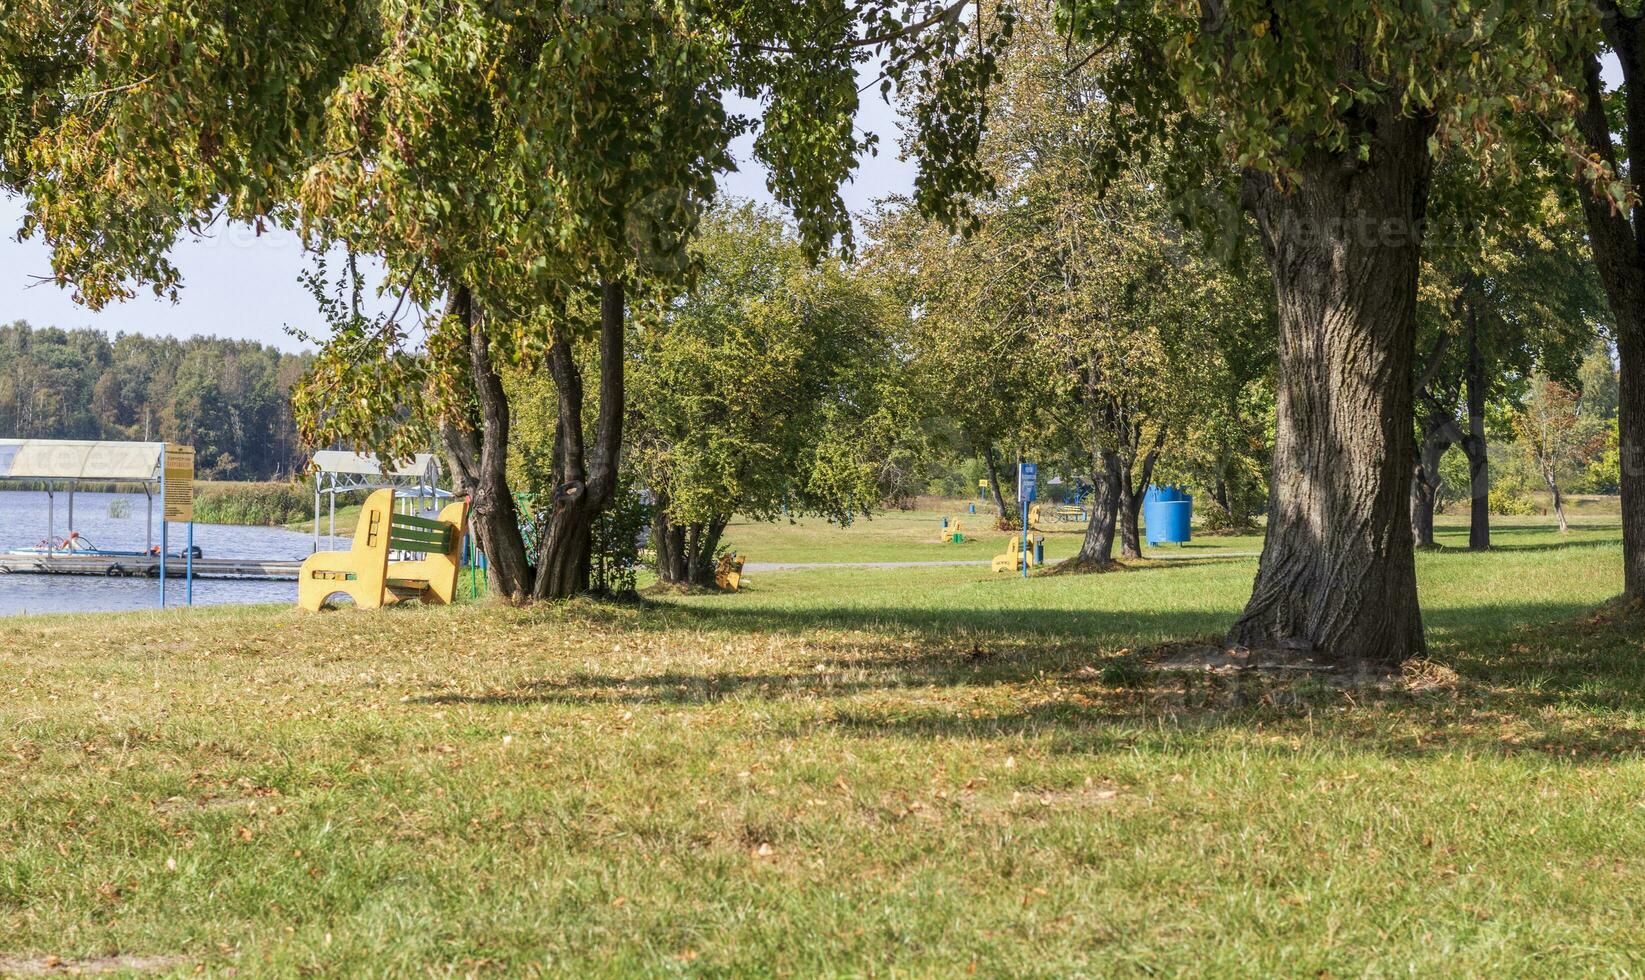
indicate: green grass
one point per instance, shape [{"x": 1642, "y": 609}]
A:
[
  {"x": 904, "y": 536},
  {"x": 348, "y": 515},
  {"x": 913, "y": 772}
]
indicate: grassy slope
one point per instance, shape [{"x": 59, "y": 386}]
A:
[{"x": 834, "y": 772}]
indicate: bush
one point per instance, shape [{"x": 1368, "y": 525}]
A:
[
  {"x": 619, "y": 534},
  {"x": 1511, "y": 497},
  {"x": 1216, "y": 520},
  {"x": 265, "y": 504}
]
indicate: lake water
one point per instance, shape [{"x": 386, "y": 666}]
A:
[{"x": 23, "y": 524}]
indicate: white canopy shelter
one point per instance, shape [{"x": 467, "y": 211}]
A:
[
  {"x": 416, "y": 482},
  {"x": 57, "y": 461}
]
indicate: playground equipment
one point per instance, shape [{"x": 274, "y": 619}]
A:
[
  {"x": 338, "y": 471},
  {"x": 728, "y": 573},
  {"x": 1167, "y": 515},
  {"x": 1040, "y": 515},
  {"x": 951, "y": 532},
  {"x": 1012, "y": 560},
  {"x": 364, "y": 572}
]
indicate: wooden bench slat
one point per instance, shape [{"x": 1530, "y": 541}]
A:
[
  {"x": 423, "y": 541},
  {"x": 425, "y": 523}
]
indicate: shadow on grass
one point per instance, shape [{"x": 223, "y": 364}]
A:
[{"x": 1549, "y": 679}]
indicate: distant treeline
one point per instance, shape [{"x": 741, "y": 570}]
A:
[{"x": 229, "y": 399}]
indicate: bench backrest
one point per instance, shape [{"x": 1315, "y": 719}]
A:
[{"x": 419, "y": 535}]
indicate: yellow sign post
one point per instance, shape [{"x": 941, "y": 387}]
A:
[
  {"x": 177, "y": 493},
  {"x": 179, "y": 482}
]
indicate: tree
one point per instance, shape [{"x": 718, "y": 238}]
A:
[
  {"x": 1597, "y": 381},
  {"x": 768, "y": 389},
  {"x": 1613, "y": 134},
  {"x": 1506, "y": 288},
  {"x": 1556, "y": 435},
  {"x": 1330, "y": 112},
  {"x": 1101, "y": 315},
  {"x": 535, "y": 169}
]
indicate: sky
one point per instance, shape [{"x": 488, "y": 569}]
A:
[{"x": 245, "y": 286}]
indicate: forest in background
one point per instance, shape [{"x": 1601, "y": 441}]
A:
[{"x": 230, "y": 399}]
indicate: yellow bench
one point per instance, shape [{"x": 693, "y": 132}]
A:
[
  {"x": 951, "y": 533},
  {"x": 1012, "y": 560},
  {"x": 364, "y": 573},
  {"x": 728, "y": 574}
]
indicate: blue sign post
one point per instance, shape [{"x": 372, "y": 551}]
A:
[{"x": 1028, "y": 478}]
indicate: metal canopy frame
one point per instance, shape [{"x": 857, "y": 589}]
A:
[{"x": 416, "y": 482}]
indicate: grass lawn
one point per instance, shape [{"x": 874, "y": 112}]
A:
[
  {"x": 912, "y": 772},
  {"x": 902, "y": 536}
]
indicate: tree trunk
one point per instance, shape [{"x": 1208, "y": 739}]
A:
[
  {"x": 589, "y": 478},
  {"x": 1439, "y": 432},
  {"x": 1131, "y": 494},
  {"x": 1338, "y": 572},
  {"x": 1619, "y": 255},
  {"x": 708, "y": 546},
  {"x": 1422, "y": 511},
  {"x": 1552, "y": 480},
  {"x": 1474, "y": 445},
  {"x": 1631, "y": 426},
  {"x": 991, "y": 460},
  {"x": 669, "y": 541},
  {"x": 1219, "y": 495},
  {"x": 1425, "y": 483},
  {"x": 480, "y": 462},
  {"x": 1097, "y": 550},
  {"x": 691, "y": 550}
]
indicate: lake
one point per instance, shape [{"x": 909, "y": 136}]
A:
[{"x": 23, "y": 524}]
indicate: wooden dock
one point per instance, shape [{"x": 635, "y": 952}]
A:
[{"x": 140, "y": 566}]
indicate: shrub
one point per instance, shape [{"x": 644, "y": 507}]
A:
[
  {"x": 1216, "y": 520},
  {"x": 266, "y": 504},
  {"x": 1511, "y": 497}
]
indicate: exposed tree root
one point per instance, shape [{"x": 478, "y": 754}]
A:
[{"x": 1075, "y": 566}]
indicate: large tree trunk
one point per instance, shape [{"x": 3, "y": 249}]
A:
[
  {"x": 589, "y": 477},
  {"x": 1338, "y": 572},
  {"x": 1474, "y": 445},
  {"x": 991, "y": 460},
  {"x": 1619, "y": 254},
  {"x": 479, "y": 460},
  {"x": 1631, "y": 426},
  {"x": 1097, "y": 550}
]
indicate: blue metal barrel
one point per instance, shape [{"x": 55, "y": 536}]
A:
[{"x": 1167, "y": 515}]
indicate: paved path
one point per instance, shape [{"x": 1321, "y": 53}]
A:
[{"x": 815, "y": 566}]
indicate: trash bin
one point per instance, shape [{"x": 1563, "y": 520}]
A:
[{"x": 1167, "y": 515}]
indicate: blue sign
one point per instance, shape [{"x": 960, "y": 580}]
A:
[{"x": 1028, "y": 478}]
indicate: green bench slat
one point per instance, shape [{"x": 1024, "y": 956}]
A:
[
  {"x": 424, "y": 541},
  {"x": 426, "y": 523}
]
